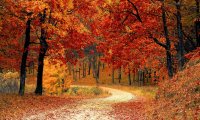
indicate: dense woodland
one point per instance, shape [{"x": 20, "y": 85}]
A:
[{"x": 151, "y": 42}]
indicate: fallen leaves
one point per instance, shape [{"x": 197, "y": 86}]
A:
[
  {"x": 13, "y": 106},
  {"x": 133, "y": 110}
]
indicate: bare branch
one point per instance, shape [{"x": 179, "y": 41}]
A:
[
  {"x": 157, "y": 41},
  {"x": 137, "y": 15}
]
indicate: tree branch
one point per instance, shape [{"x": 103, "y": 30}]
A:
[
  {"x": 157, "y": 41},
  {"x": 125, "y": 19},
  {"x": 137, "y": 15}
]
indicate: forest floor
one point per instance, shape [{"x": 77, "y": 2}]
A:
[
  {"x": 124, "y": 103},
  {"x": 88, "y": 109}
]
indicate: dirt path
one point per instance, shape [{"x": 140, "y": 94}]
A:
[{"x": 90, "y": 109}]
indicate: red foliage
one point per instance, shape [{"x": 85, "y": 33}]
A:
[
  {"x": 133, "y": 110},
  {"x": 15, "y": 107}
]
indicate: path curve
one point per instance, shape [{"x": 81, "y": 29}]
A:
[{"x": 90, "y": 109}]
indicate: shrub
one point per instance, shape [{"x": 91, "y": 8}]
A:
[
  {"x": 9, "y": 82},
  {"x": 85, "y": 91},
  {"x": 55, "y": 81},
  {"x": 96, "y": 90}
]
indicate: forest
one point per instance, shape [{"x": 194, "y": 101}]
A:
[{"x": 100, "y": 59}]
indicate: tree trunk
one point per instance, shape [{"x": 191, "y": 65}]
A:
[
  {"x": 197, "y": 24},
  {"x": 85, "y": 73},
  {"x": 103, "y": 66},
  {"x": 83, "y": 69},
  {"x": 24, "y": 59},
  {"x": 168, "y": 43},
  {"x": 113, "y": 75},
  {"x": 43, "y": 50},
  {"x": 197, "y": 7},
  {"x": 94, "y": 68},
  {"x": 180, "y": 36},
  {"x": 129, "y": 76},
  {"x": 79, "y": 73},
  {"x": 120, "y": 74},
  {"x": 89, "y": 66},
  {"x": 98, "y": 68},
  {"x": 1, "y": 70},
  {"x": 73, "y": 73}
]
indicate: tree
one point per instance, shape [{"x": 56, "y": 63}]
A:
[
  {"x": 24, "y": 58},
  {"x": 42, "y": 53},
  {"x": 132, "y": 27},
  {"x": 180, "y": 34}
]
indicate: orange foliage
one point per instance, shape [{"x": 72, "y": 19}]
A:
[{"x": 55, "y": 77}]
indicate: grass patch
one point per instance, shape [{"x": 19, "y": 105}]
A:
[
  {"x": 86, "y": 91},
  {"x": 8, "y": 85}
]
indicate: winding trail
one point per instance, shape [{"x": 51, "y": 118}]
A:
[{"x": 90, "y": 109}]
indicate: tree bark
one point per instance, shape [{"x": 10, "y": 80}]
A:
[
  {"x": 168, "y": 42},
  {"x": 98, "y": 67},
  {"x": 94, "y": 68},
  {"x": 180, "y": 36},
  {"x": 197, "y": 23},
  {"x": 120, "y": 74},
  {"x": 24, "y": 59},
  {"x": 1, "y": 70},
  {"x": 113, "y": 75},
  {"x": 89, "y": 66},
  {"x": 43, "y": 50},
  {"x": 129, "y": 76},
  {"x": 83, "y": 67},
  {"x": 197, "y": 7}
]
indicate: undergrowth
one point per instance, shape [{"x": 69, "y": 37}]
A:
[
  {"x": 178, "y": 98},
  {"x": 85, "y": 91}
]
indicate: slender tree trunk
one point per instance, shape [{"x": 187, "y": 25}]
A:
[
  {"x": 1, "y": 70},
  {"x": 89, "y": 66},
  {"x": 197, "y": 23},
  {"x": 94, "y": 68},
  {"x": 143, "y": 77},
  {"x": 103, "y": 66},
  {"x": 168, "y": 43},
  {"x": 180, "y": 36},
  {"x": 129, "y": 76},
  {"x": 79, "y": 73},
  {"x": 83, "y": 69},
  {"x": 120, "y": 74},
  {"x": 73, "y": 72},
  {"x": 24, "y": 59},
  {"x": 139, "y": 78},
  {"x": 98, "y": 67},
  {"x": 113, "y": 75},
  {"x": 43, "y": 50},
  {"x": 197, "y": 7}
]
